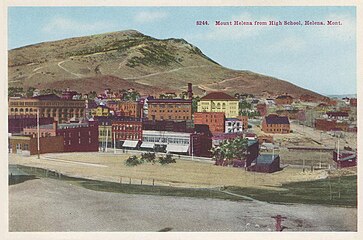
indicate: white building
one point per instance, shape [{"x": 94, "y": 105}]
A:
[
  {"x": 233, "y": 125},
  {"x": 173, "y": 142}
]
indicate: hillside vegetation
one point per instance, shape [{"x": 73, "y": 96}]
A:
[{"x": 131, "y": 59}]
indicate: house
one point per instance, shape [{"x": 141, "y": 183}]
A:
[
  {"x": 170, "y": 109},
  {"x": 270, "y": 101},
  {"x": 266, "y": 163},
  {"x": 345, "y": 158},
  {"x": 219, "y": 102},
  {"x": 337, "y": 115},
  {"x": 284, "y": 99},
  {"x": 28, "y": 144},
  {"x": 215, "y": 120},
  {"x": 276, "y": 124},
  {"x": 50, "y": 105}
]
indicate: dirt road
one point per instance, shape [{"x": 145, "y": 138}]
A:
[{"x": 53, "y": 205}]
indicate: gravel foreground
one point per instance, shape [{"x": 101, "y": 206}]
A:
[{"x": 49, "y": 205}]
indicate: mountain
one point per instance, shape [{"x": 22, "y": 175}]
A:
[{"x": 130, "y": 59}]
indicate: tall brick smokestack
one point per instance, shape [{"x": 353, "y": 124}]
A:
[{"x": 190, "y": 90}]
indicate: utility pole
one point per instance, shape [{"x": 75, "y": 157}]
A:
[
  {"x": 38, "y": 134},
  {"x": 192, "y": 148},
  {"x": 106, "y": 140},
  {"x": 114, "y": 142}
]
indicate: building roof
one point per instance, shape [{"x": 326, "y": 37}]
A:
[
  {"x": 266, "y": 158},
  {"x": 218, "y": 96},
  {"x": 274, "y": 119},
  {"x": 337, "y": 114},
  {"x": 284, "y": 97},
  {"x": 162, "y": 100},
  {"x": 233, "y": 119},
  {"x": 47, "y": 97}
]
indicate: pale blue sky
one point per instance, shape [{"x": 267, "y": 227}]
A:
[{"x": 319, "y": 58}]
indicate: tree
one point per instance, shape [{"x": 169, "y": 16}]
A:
[
  {"x": 195, "y": 101},
  {"x": 230, "y": 150},
  {"x": 167, "y": 159}
]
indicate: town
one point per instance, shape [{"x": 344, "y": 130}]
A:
[{"x": 279, "y": 130}]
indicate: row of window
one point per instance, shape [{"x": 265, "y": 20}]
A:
[{"x": 162, "y": 139}]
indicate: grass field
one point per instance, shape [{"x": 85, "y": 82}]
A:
[
  {"x": 331, "y": 191},
  {"x": 324, "y": 191},
  {"x": 183, "y": 173}
]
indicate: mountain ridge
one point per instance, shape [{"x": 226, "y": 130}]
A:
[{"x": 148, "y": 64}]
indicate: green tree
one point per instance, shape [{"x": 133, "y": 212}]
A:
[
  {"x": 167, "y": 159},
  {"x": 230, "y": 150},
  {"x": 195, "y": 101}
]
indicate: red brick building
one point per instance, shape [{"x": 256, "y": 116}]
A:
[
  {"x": 215, "y": 120},
  {"x": 77, "y": 137},
  {"x": 330, "y": 124},
  {"x": 127, "y": 130},
  {"x": 29, "y": 145},
  {"x": 284, "y": 99},
  {"x": 170, "y": 109},
  {"x": 276, "y": 124},
  {"x": 129, "y": 109}
]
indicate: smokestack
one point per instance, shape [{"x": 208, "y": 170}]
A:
[{"x": 190, "y": 90}]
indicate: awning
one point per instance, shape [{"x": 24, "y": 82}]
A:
[
  {"x": 147, "y": 145},
  {"x": 177, "y": 148},
  {"x": 130, "y": 143}
]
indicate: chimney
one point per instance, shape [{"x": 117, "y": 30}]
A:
[{"x": 190, "y": 90}]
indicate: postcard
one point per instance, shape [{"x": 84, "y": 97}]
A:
[{"x": 200, "y": 120}]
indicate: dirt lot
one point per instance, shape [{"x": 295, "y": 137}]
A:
[
  {"x": 110, "y": 167},
  {"x": 53, "y": 205},
  {"x": 306, "y": 136}
]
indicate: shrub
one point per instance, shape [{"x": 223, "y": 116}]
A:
[
  {"x": 133, "y": 161},
  {"x": 167, "y": 159},
  {"x": 148, "y": 157}
]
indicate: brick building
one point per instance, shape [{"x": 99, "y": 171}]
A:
[
  {"x": 330, "y": 125},
  {"x": 127, "y": 131},
  {"x": 28, "y": 145},
  {"x": 77, "y": 137},
  {"x": 50, "y": 105},
  {"x": 129, "y": 109},
  {"x": 171, "y": 126},
  {"x": 276, "y": 124},
  {"x": 17, "y": 123},
  {"x": 284, "y": 99},
  {"x": 215, "y": 120},
  {"x": 219, "y": 102},
  {"x": 169, "y": 109}
]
